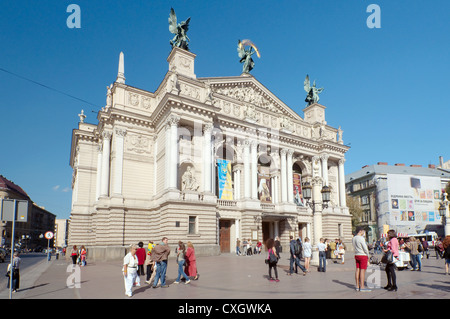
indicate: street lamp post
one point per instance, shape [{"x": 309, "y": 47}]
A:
[
  {"x": 313, "y": 200},
  {"x": 443, "y": 211}
]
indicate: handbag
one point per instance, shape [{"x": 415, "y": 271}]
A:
[{"x": 388, "y": 257}]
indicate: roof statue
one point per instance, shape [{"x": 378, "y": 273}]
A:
[
  {"x": 313, "y": 92},
  {"x": 246, "y": 55},
  {"x": 180, "y": 39}
]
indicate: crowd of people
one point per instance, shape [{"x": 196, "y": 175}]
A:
[{"x": 152, "y": 262}]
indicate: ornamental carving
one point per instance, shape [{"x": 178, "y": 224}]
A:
[
  {"x": 249, "y": 95},
  {"x": 138, "y": 143},
  {"x": 190, "y": 91},
  {"x": 133, "y": 99}
]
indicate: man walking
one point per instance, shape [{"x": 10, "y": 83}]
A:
[
  {"x": 160, "y": 255},
  {"x": 296, "y": 253},
  {"x": 361, "y": 258}
]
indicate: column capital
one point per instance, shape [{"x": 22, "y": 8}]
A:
[
  {"x": 173, "y": 120},
  {"x": 208, "y": 126},
  {"x": 283, "y": 152},
  {"x": 121, "y": 132},
  {"x": 341, "y": 161},
  {"x": 324, "y": 157},
  {"x": 254, "y": 143},
  {"x": 106, "y": 135}
]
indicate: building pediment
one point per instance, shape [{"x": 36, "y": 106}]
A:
[{"x": 251, "y": 94}]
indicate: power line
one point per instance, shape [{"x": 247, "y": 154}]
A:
[{"x": 47, "y": 87}]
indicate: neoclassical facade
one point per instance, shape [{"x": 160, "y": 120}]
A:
[{"x": 206, "y": 160}]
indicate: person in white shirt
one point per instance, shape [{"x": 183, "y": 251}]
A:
[
  {"x": 322, "y": 256},
  {"x": 307, "y": 252},
  {"x": 130, "y": 265}
]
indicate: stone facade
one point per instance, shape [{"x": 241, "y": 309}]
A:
[{"x": 148, "y": 169}]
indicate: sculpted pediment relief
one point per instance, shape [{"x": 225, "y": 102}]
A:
[{"x": 256, "y": 95}]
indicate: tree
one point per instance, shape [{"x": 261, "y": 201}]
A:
[{"x": 355, "y": 209}]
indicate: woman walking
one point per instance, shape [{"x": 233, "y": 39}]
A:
[
  {"x": 74, "y": 254},
  {"x": 190, "y": 268},
  {"x": 446, "y": 245},
  {"x": 307, "y": 252},
  {"x": 272, "y": 259},
  {"x": 181, "y": 251},
  {"x": 390, "y": 267}
]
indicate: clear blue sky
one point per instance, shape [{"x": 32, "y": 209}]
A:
[{"x": 387, "y": 88}]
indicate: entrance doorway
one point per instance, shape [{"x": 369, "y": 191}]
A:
[{"x": 224, "y": 236}]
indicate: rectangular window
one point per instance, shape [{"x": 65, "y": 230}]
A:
[{"x": 192, "y": 224}]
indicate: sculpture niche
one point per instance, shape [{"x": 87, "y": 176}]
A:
[
  {"x": 180, "y": 30},
  {"x": 188, "y": 181}
]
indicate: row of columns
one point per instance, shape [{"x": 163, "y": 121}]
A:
[{"x": 250, "y": 166}]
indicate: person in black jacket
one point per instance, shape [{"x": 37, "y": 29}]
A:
[{"x": 296, "y": 254}]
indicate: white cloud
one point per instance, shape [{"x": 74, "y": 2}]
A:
[{"x": 55, "y": 188}]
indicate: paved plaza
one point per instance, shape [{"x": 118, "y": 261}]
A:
[{"x": 230, "y": 277}]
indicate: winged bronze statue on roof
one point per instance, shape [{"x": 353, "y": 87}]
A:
[
  {"x": 180, "y": 30},
  {"x": 313, "y": 91},
  {"x": 246, "y": 54}
]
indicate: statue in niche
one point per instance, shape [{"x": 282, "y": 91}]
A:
[
  {"x": 188, "y": 181},
  {"x": 180, "y": 30},
  {"x": 313, "y": 91}
]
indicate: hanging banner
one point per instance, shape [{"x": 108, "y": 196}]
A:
[
  {"x": 225, "y": 180},
  {"x": 264, "y": 186},
  {"x": 298, "y": 196}
]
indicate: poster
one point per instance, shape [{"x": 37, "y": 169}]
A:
[
  {"x": 414, "y": 200},
  {"x": 264, "y": 185},
  {"x": 225, "y": 180},
  {"x": 298, "y": 195}
]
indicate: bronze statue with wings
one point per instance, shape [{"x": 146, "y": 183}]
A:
[
  {"x": 180, "y": 30},
  {"x": 246, "y": 54},
  {"x": 313, "y": 91}
]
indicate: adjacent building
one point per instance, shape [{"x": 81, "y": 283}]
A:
[
  {"x": 399, "y": 197},
  {"x": 29, "y": 234},
  {"x": 207, "y": 160}
]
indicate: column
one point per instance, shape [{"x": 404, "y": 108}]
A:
[
  {"x": 342, "y": 199},
  {"x": 99, "y": 172},
  {"x": 247, "y": 176},
  {"x": 237, "y": 182},
  {"x": 275, "y": 229},
  {"x": 283, "y": 175},
  {"x": 290, "y": 178},
  {"x": 254, "y": 175},
  {"x": 207, "y": 158},
  {"x": 174, "y": 120},
  {"x": 324, "y": 158},
  {"x": 104, "y": 189},
  {"x": 118, "y": 165},
  {"x": 167, "y": 171}
]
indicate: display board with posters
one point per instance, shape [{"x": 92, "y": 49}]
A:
[{"x": 414, "y": 200}]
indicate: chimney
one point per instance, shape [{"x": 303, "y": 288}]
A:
[
  {"x": 415, "y": 165},
  {"x": 399, "y": 164},
  {"x": 382, "y": 163},
  {"x": 431, "y": 166}
]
